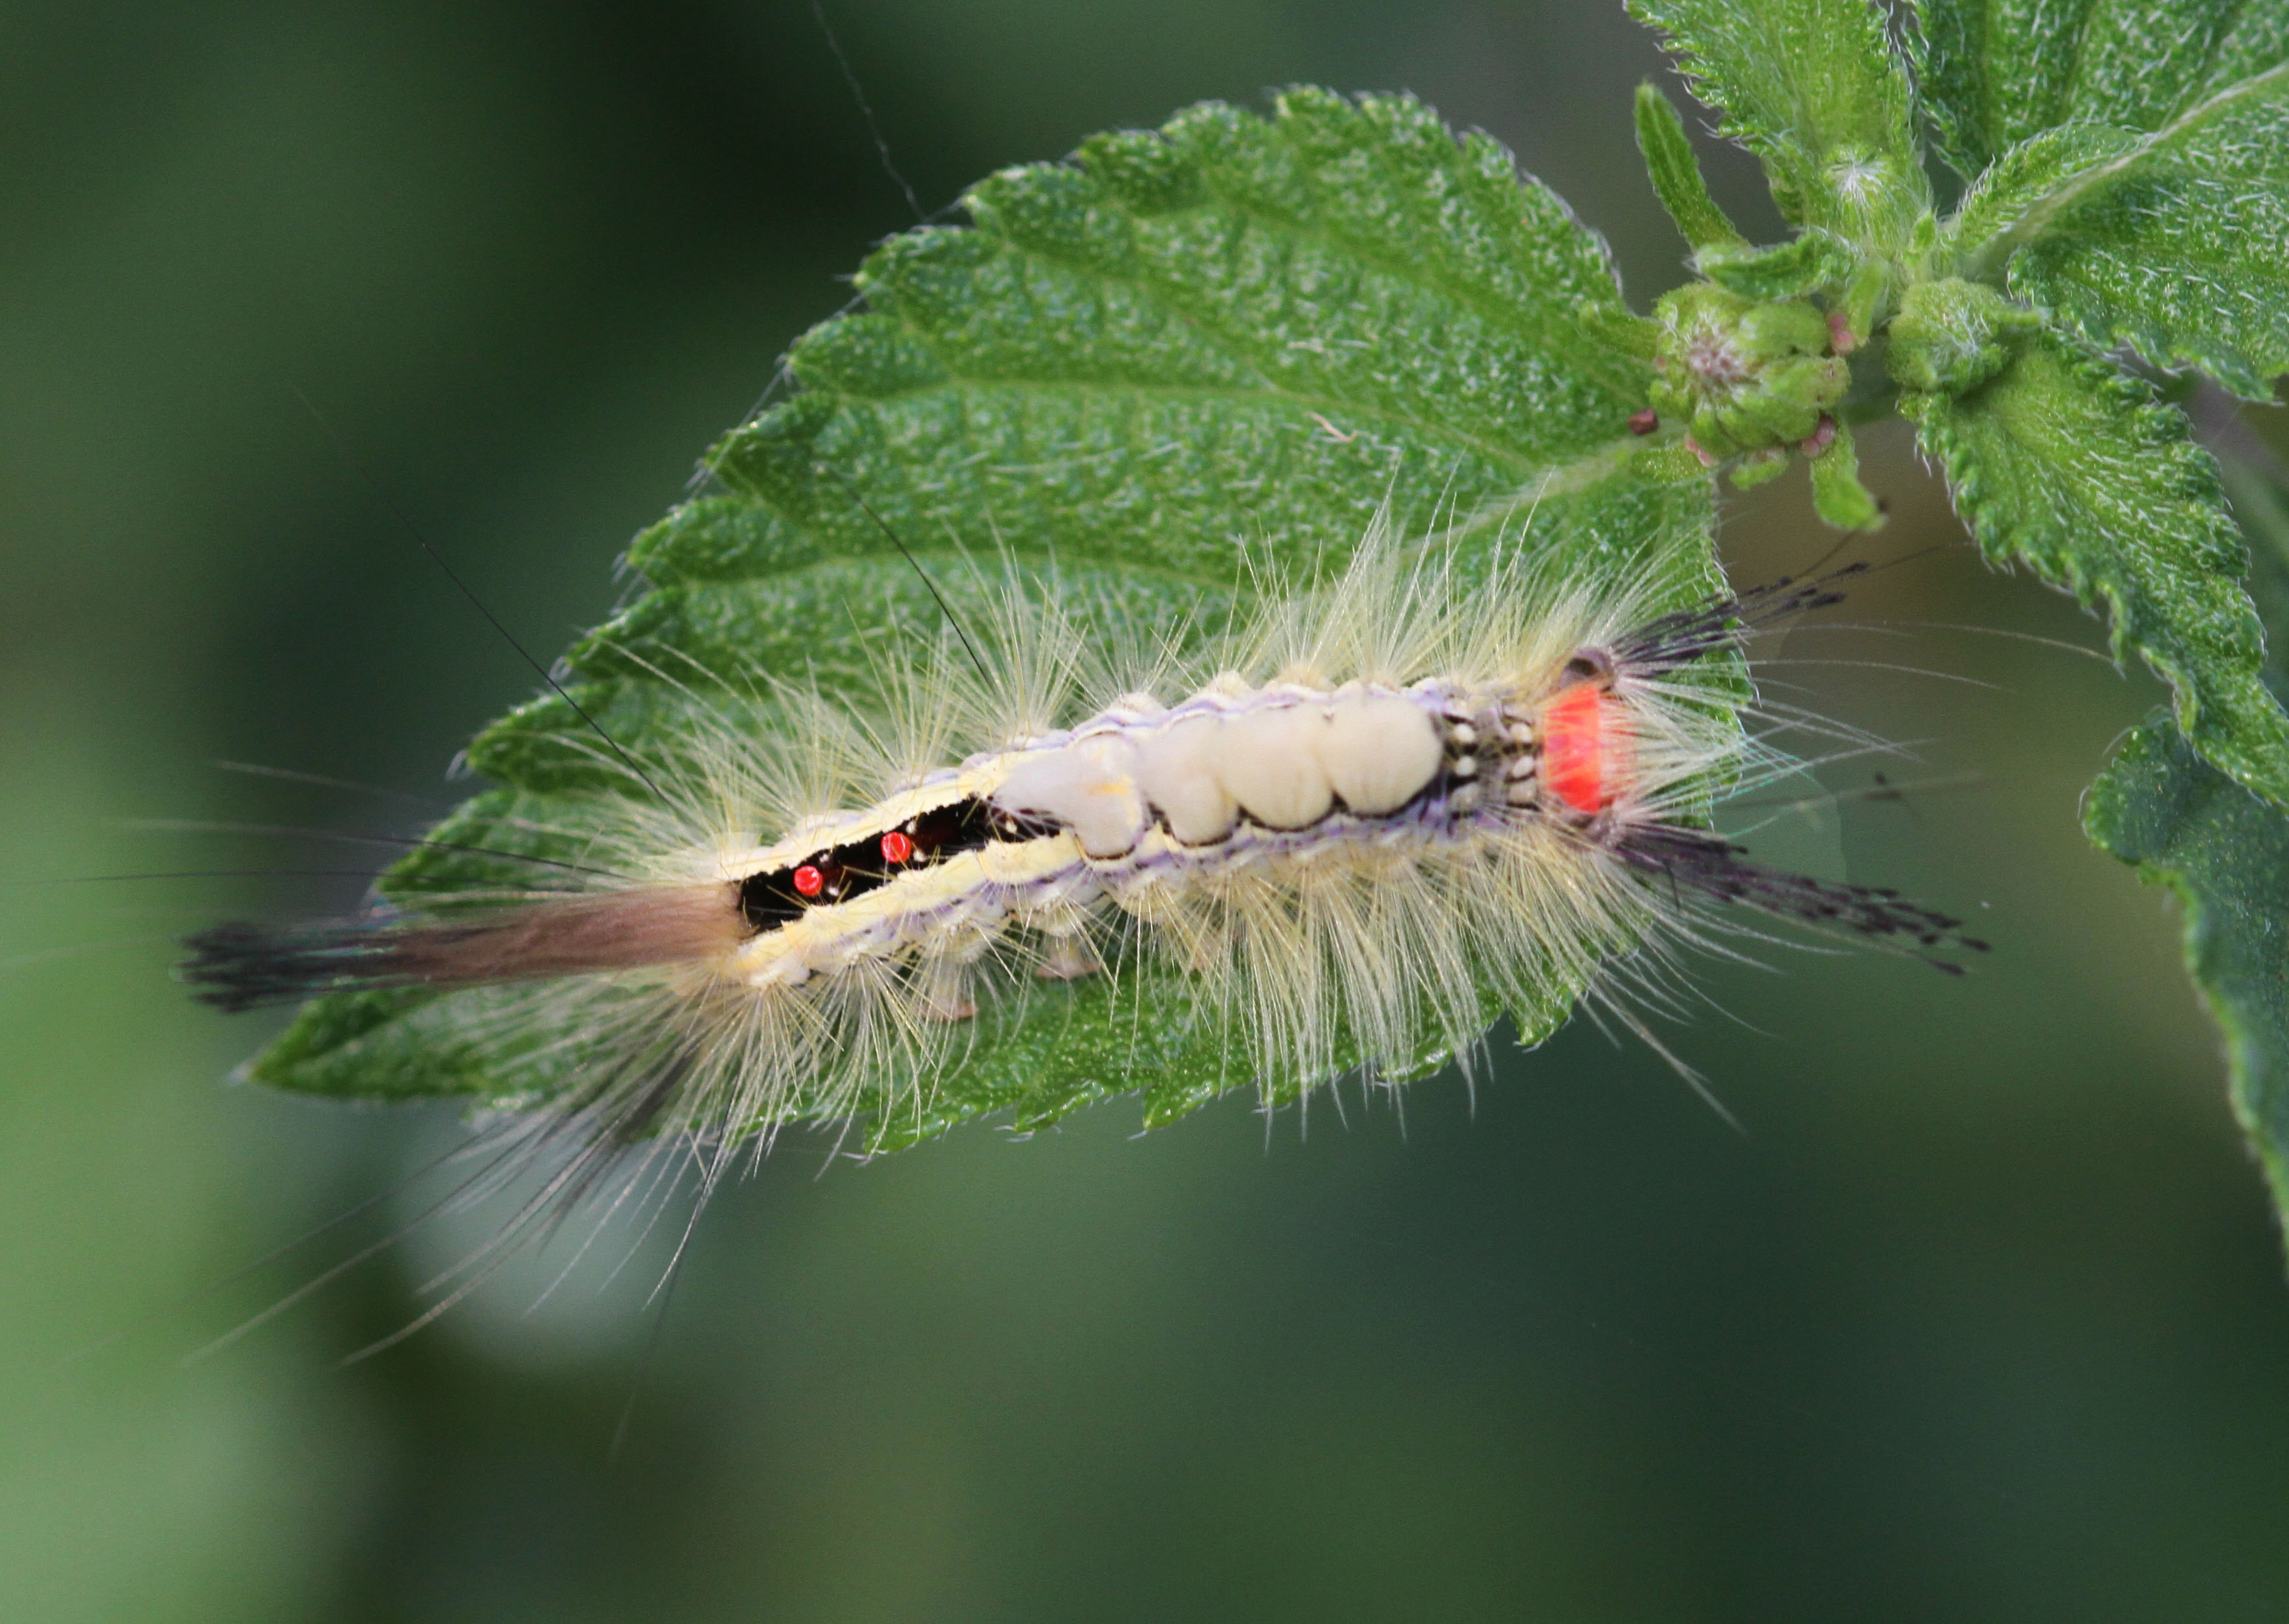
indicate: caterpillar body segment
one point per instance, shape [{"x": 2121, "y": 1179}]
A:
[{"x": 1382, "y": 809}]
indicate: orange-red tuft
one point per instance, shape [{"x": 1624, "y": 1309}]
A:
[{"x": 1573, "y": 745}]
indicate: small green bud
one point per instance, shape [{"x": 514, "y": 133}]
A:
[
  {"x": 1952, "y": 336},
  {"x": 1744, "y": 375}
]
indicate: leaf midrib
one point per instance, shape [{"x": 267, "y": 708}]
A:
[{"x": 1512, "y": 461}]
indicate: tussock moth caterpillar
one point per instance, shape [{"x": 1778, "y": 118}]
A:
[{"x": 1343, "y": 836}]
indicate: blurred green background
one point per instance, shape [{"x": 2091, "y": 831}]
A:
[{"x": 1983, "y": 1318}]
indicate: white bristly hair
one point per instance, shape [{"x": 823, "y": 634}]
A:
[{"x": 1349, "y": 835}]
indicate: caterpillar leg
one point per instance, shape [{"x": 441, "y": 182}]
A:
[
  {"x": 945, "y": 991},
  {"x": 1069, "y": 959}
]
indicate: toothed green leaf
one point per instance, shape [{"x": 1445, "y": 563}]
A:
[
  {"x": 1234, "y": 335},
  {"x": 2065, "y": 464},
  {"x": 1676, "y": 172},
  {"x": 1815, "y": 89},
  {"x": 2139, "y": 188},
  {"x": 1992, "y": 73},
  {"x": 2226, "y": 854},
  {"x": 2132, "y": 166},
  {"x": 2179, "y": 247},
  {"x": 1838, "y": 496}
]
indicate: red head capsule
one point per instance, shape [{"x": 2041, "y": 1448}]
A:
[
  {"x": 1575, "y": 742},
  {"x": 809, "y": 882},
  {"x": 896, "y": 847}
]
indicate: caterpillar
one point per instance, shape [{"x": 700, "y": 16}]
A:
[{"x": 1345, "y": 834}]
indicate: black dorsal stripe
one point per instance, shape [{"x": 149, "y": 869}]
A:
[{"x": 770, "y": 900}]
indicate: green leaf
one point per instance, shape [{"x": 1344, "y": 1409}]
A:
[
  {"x": 2180, "y": 246},
  {"x": 2071, "y": 465},
  {"x": 1994, "y": 72},
  {"x": 2261, "y": 502},
  {"x": 1815, "y": 89},
  {"x": 2226, "y": 855},
  {"x": 1676, "y": 172},
  {"x": 1231, "y": 340},
  {"x": 1838, "y": 496}
]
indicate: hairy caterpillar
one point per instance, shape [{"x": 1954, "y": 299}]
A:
[{"x": 1347, "y": 835}]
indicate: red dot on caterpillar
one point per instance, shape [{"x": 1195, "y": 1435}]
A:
[
  {"x": 1575, "y": 743},
  {"x": 808, "y": 881},
  {"x": 896, "y": 847}
]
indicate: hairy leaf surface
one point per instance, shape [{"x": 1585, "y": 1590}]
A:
[
  {"x": 2179, "y": 247},
  {"x": 2018, "y": 191},
  {"x": 1234, "y": 337},
  {"x": 1993, "y": 73},
  {"x": 2226, "y": 854},
  {"x": 2071, "y": 465}
]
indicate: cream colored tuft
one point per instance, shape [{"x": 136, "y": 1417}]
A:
[
  {"x": 1379, "y": 752},
  {"x": 1177, "y": 769},
  {"x": 1269, "y": 762}
]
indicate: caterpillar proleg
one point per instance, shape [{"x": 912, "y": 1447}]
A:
[{"x": 1343, "y": 836}]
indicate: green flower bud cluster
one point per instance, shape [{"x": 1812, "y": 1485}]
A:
[{"x": 1745, "y": 377}]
